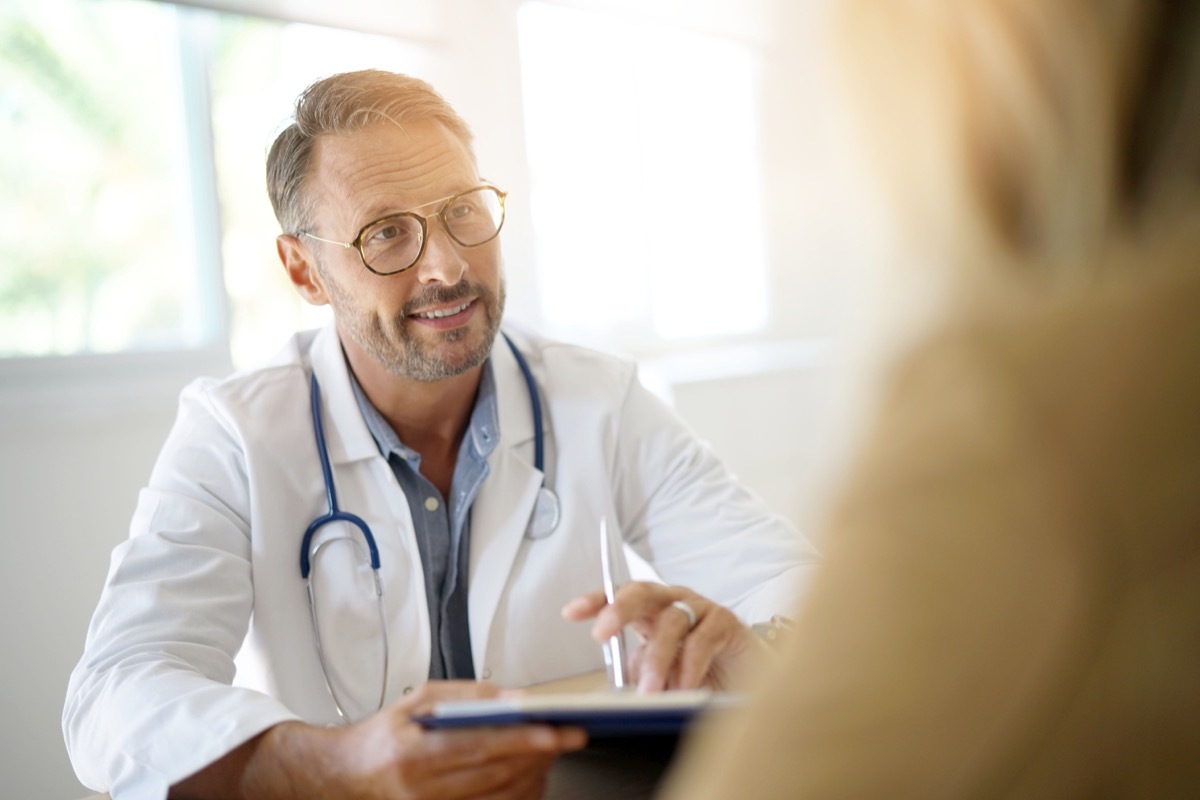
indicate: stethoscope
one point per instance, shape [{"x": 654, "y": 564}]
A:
[{"x": 542, "y": 522}]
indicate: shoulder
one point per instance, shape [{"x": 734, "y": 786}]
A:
[
  {"x": 563, "y": 365},
  {"x": 257, "y": 393}
]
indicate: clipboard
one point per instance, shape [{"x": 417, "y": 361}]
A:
[{"x": 601, "y": 714}]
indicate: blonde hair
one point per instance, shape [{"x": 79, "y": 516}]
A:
[
  {"x": 1029, "y": 131},
  {"x": 338, "y": 105}
]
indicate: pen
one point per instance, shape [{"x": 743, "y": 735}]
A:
[{"x": 614, "y": 649}]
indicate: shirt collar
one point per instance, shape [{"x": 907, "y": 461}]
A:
[{"x": 483, "y": 430}]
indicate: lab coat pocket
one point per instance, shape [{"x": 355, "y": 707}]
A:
[{"x": 348, "y": 618}]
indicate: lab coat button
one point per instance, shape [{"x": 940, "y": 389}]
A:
[
  {"x": 408, "y": 690},
  {"x": 431, "y": 504},
  {"x": 487, "y": 674}
]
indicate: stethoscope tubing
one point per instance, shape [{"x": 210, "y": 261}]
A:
[
  {"x": 335, "y": 514},
  {"x": 535, "y": 404}
]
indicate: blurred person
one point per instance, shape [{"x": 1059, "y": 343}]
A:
[
  {"x": 403, "y": 508},
  {"x": 1009, "y": 604}
]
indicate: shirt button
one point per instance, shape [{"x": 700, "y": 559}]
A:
[
  {"x": 487, "y": 674},
  {"x": 431, "y": 504}
]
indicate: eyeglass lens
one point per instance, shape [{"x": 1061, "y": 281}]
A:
[{"x": 394, "y": 244}]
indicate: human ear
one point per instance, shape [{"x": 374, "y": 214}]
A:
[{"x": 301, "y": 268}]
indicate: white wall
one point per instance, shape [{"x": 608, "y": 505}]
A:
[{"x": 74, "y": 456}]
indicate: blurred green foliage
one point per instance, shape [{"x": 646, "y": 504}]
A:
[{"x": 89, "y": 175}]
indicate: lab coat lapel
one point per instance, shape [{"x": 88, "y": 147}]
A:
[{"x": 505, "y": 501}]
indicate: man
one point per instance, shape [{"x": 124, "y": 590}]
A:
[{"x": 371, "y": 511}]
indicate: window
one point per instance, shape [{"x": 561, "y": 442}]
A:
[
  {"x": 95, "y": 172},
  {"x": 643, "y": 154},
  {"x": 133, "y": 168},
  {"x": 137, "y": 219}
]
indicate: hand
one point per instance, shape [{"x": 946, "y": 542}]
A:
[
  {"x": 672, "y": 656},
  {"x": 388, "y": 756}
]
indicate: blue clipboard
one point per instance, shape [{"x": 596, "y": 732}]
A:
[{"x": 601, "y": 714}]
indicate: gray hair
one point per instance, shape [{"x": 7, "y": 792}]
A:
[{"x": 341, "y": 104}]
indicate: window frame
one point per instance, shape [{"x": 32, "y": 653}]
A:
[
  {"x": 37, "y": 374},
  {"x": 76, "y": 382}
]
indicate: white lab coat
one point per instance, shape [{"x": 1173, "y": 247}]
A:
[{"x": 211, "y": 568}]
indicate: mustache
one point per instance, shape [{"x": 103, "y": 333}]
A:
[{"x": 442, "y": 294}]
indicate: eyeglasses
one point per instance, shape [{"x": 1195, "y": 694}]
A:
[{"x": 396, "y": 242}]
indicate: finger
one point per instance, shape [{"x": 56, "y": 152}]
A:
[
  {"x": 719, "y": 637},
  {"x": 634, "y": 603},
  {"x": 511, "y": 777},
  {"x": 529, "y": 782},
  {"x": 661, "y": 649},
  {"x": 696, "y": 656},
  {"x": 450, "y": 750},
  {"x": 532, "y": 785},
  {"x": 637, "y": 603},
  {"x": 585, "y": 606}
]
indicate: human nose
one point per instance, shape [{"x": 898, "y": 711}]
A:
[{"x": 442, "y": 261}]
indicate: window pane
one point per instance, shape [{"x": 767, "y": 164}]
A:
[
  {"x": 644, "y": 171},
  {"x": 96, "y": 243}
]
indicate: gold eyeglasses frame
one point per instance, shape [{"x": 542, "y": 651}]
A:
[{"x": 423, "y": 221}]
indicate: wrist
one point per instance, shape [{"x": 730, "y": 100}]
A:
[
  {"x": 243, "y": 772},
  {"x": 278, "y": 763},
  {"x": 293, "y": 759}
]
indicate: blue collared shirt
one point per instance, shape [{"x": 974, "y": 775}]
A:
[{"x": 442, "y": 525}]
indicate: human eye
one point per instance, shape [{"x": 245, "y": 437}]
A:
[
  {"x": 461, "y": 209},
  {"x": 389, "y": 232}
]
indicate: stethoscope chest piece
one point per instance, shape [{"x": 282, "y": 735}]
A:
[
  {"x": 546, "y": 514},
  {"x": 546, "y": 510}
]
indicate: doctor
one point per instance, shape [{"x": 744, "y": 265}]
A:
[{"x": 402, "y": 508}]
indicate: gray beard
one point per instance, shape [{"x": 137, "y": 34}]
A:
[{"x": 403, "y": 354}]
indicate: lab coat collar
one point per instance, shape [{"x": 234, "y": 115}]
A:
[
  {"x": 512, "y": 396},
  {"x": 505, "y": 502},
  {"x": 354, "y": 442}
]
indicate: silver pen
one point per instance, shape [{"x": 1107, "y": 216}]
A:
[{"x": 614, "y": 649}]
